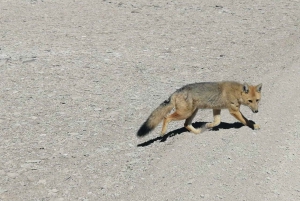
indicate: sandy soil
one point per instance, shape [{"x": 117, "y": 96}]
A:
[{"x": 78, "y": 78}]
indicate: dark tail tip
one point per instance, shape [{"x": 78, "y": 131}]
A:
[{"x": 144, "y": 130}]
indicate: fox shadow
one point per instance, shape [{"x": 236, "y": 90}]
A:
[{"x": 222, "y": 125}]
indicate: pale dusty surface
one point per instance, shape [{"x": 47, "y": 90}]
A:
[{"x": 78, "y": 78}]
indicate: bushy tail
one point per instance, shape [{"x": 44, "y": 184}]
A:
[{"x": 156, "y": 117}]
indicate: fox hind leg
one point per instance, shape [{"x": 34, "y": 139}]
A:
[
  {"x": 188, "y": 123},
  {"x": 184, "y": 110},
  {"x": 217, "y": 119},
  {"x": 177, "y": 115},
  {"x": 168, "y": 119}
]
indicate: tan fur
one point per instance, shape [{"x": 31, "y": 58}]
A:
[{"x": 207, "y": 95}]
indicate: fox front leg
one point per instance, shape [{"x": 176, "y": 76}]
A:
[{"x": 239, "y": 116}]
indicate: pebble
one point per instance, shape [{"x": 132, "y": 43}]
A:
[
  {"x": 191, "y": 181},
  {"x": 42, "y": 181},
  {"x": 2, "y": 62},
  {"x": 33, "y": 161},
  {"x": 2, "y": 190},
  {"x": 54, "y": 190},
  {"x": 4, "y": 57},
  {"x": 57, "y": 199},
  {"x": 12, "y": 175},
  {"x": 73, "y": 134}
]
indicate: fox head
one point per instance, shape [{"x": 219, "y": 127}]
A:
[{"x": 251, "y": 96}]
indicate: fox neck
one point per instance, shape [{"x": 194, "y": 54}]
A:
[{"x": 241, "y": 101}]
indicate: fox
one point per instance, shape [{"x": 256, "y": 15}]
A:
[{"x": 186, "y": 101}]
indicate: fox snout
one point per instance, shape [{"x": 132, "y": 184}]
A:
[{"x": 254, "y": 109}]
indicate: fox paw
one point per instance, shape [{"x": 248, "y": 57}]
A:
[
  {"x": 209, "y": 125},
  {"x": 192, "y": 129},
  {"x": 162, "y": 134},
  {"x": 253, "y": 125},
  {"x": 256, "y": 127},
  {"x": 196, "y": 131}
]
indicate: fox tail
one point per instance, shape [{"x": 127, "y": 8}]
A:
[{"x": 156, "y": 117}]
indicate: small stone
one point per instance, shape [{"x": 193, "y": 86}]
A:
[
  {"x": 12, "y": 175},
  {"x": 33, "y": 161},
  {"x": 2, "y": 62},
  {"x": 54, "y": 190},
  {"x": 57, "y": 199},
  {"x": 191, "y": 181},
  {"x": 42, "y": 181},
  {"x": 2, "y": 172},
  {"x": 4, "y": 57},
  {"x": 2, "y": 190}
]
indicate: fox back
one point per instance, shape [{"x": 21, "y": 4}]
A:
[{"x": 203, "y": 95}]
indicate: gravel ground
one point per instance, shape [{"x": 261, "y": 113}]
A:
[{"x": 78, "y": 78}]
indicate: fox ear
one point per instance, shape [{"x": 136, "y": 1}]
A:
[
  {"x": 258, "y": 88},
  {"x": 246, "y": 88}
]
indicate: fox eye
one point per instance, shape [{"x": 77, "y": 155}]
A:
[
  {"x": 257, "y": 100},
  {"x": 250, "y": 101}
]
